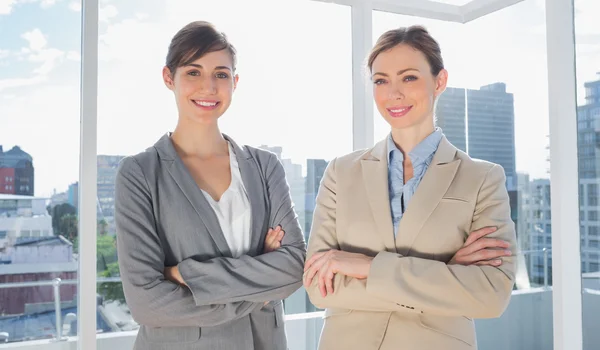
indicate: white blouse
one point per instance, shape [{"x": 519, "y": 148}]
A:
[{"x": 233, "y": 210}]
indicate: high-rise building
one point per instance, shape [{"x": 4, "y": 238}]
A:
[
  {"x": 107, "y": 173},
  {"x": 451, "y": 112},
  {"x": 315, "y": 168},
  {"x": 481, "y": 123},
  {"x": 588, "y": 144},
  {"x": 16, "y": 172}
]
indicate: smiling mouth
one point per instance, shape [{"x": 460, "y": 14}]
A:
[
  {"x": 206, "y": 104},
  {"x": 397, "y": 112}
]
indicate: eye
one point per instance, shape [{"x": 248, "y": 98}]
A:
[
  {"x": 410, "y": 78},
  {"x": 194, "y": 73},
  {"x": 222, "y": 75},
  {"x": 379, "y": 82}
]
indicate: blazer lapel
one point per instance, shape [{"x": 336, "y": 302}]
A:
[
  {"x": 256, "y": 194},
  {"x": 192, "y": 192},
  {"x": 430, "y": 191},
  {"x": 375, "y": 177}
]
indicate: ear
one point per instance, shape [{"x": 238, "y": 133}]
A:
[
  {"x": 440, "y": 82},
  {"x": 168, "y": 78},
  {"x": 236, "y": 78}
]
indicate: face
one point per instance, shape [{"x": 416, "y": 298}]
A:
[
  {"x": 404, "y": 88},
  {"x": 204, "y": 88}
]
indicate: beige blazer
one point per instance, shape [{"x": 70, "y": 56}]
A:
[{"x": 411, "y": 300}]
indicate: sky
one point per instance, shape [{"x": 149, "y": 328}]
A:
[{"x": 295, "y": 87}]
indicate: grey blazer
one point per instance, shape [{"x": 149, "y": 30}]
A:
[{"x": 163, "y": 219}]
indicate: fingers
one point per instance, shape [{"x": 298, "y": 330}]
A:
[
  {"x": 475, "y": 235},
  {"x": 316, "y": 266},
  {"x": 312, "y": 260},
  {"x": 329, "y": 280},
  {"x": 487, "y": 254},
  {"x": 326, "y": 279},
  {"x": 273, "y": 239},
  {"x": 495, "y": 262},
  {"x": 269, "y": 238},
  {"x": 484, "y": 243}
]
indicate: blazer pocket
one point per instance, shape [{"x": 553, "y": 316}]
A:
[
  {"x": 177, "y": 335},
  {"x": 336, "y": 312},
  {"x": 460, "y": 327},
  {"x": 454, "y": 199}
]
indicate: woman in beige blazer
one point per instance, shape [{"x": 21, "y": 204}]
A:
[{"x": 412, "y": 238}]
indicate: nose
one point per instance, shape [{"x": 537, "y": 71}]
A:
[
  {"x": 208, "y": 86},
  {"x": 396, "y": 92}
]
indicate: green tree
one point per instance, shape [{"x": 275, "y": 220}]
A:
[
  {"x": 106, "y": 252},
  {"x": 107, "y": 266},
  {"x": 111, "y": 290},
  {"x": 57, "y": 213},
  {"x": 67, "y": 227},
  {"x": 102, "y": 227}
]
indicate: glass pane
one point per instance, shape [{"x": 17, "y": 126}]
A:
[
  {"x": 587, "y": 35},
  {"x": 39, "y": 159},
  {"x": 291, "y": 99},
  {"x": 496, "y": 109}
]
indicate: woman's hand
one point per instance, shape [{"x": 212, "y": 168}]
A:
[
  {"x": 327, "y": 264},
  {"x": 273, "y": 239},
  {"x": 172, "y": 274},
  {"x": 479, "y": 250}
]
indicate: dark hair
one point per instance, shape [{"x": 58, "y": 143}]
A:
[
  {"x": 416, "y": 37},
  {"x": 194, "y": 41}
]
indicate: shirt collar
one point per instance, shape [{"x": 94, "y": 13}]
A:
[{"x": 422, "y": 151}]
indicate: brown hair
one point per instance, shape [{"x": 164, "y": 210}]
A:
[
  {"x": 194, "y": 41},
  {"x": 416, "y": 37}
]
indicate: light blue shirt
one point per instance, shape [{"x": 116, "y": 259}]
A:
[{"x": 420, "y": 157}]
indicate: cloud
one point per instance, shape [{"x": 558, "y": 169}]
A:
[
  {"x": 40, "y": 53},
  {"x": 37, "y": 40},
  {"x": 6, "y": 6},
  {"x": 107, "y": 13},
  {"x": 19, "y": 82},
  {"x": 586, "y": 17},
  {"x": 47, "y": 3},
  {"x": 118, "y": 42},
  {"x": 73, "y": 56},
  {"x": 75, "y": 6},
  {"x": 49, "y": 58}
]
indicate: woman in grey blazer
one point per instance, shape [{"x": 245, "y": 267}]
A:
[{"x": 204, "y": 259}]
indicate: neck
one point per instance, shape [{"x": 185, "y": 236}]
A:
[
  {"x": 199, "y": 140},
  {"x": 408, "y": 138}
]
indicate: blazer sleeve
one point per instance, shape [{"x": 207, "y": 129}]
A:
[
  {"x": 154, "y": 301},
  {"x": 271, "y": 276},
  {"x": 348, "y": 292},
  {"x": 435, "y": 287}
]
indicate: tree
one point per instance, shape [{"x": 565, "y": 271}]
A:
[
  {"x": 111, "y": 290},
  {"x": 107, "y": 266},
  {"x": 106, "y": 252},
  {"x": 58, "y": 212},
  {"x": 102, "y": 227},
  {"x": 67, "y": 227}
]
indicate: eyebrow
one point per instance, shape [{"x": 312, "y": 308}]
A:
[
  {"x": 200, "y": 66},
  {"x": 400, "y": 72}
]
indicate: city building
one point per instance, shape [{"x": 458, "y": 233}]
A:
[{"x": 16, "y": 172}]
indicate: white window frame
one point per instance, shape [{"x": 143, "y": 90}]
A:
[{"x": 560, "y": 35}]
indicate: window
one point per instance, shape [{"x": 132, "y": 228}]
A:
[
  {"x": 39, "y": 133},
  {"x": 286, "y": 135},
  {"x": 593, "y": 215},
  {"x": 593, "y": 195},
  {"x": 482, "y": 112}
]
